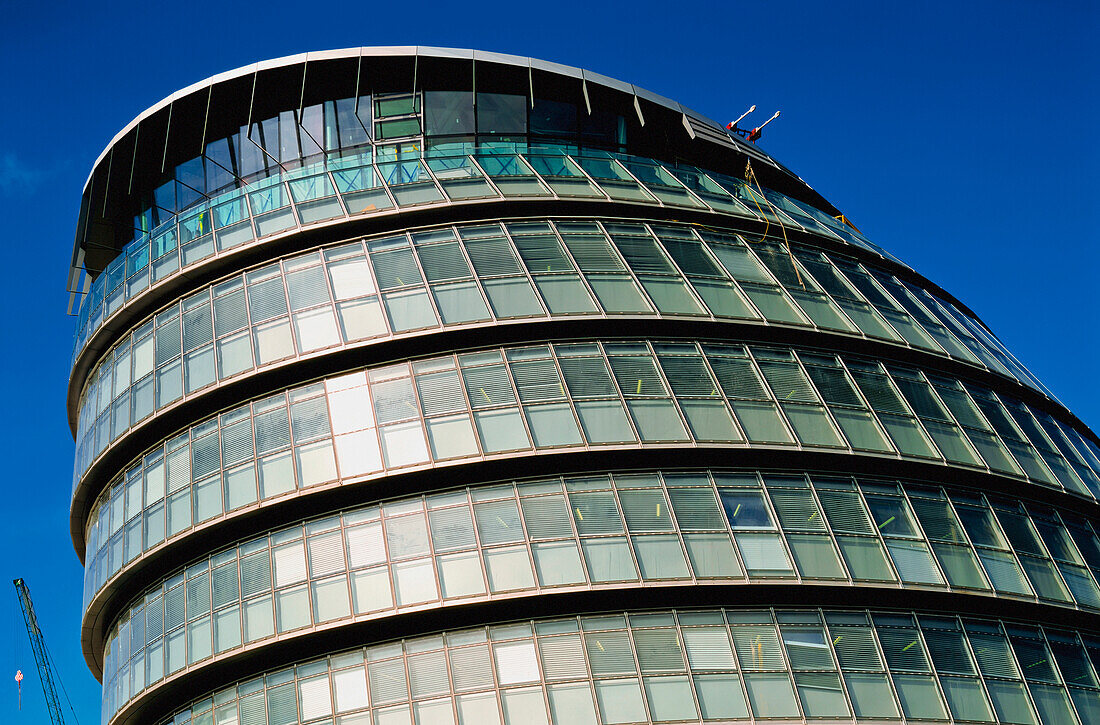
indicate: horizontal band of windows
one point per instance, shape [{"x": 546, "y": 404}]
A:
[
  {"x": 720, "y": 651},
  {"x": 595, "y": 530},
  {"x": 312, "y": 303},
  {"x": 580, "y": 395},
  {"x": 701, "y": 664}
]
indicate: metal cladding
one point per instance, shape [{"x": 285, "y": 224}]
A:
[{"x": 439, "y": 386}]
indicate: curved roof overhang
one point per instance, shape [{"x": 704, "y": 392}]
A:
[{"x": 177, "y": 128}]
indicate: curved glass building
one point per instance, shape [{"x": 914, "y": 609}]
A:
[{"x": 417, "y": 385}]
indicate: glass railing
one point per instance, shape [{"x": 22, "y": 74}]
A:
[
  {"x": 577, "y": 396},
  {"x": 358, "y": 185},
  {"x": 599, "y": 530}
]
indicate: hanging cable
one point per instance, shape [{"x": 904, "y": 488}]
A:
[{"x": 750, "y": 174}]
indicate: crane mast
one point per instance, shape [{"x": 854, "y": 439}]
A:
[{"x": 41, "y": 656}]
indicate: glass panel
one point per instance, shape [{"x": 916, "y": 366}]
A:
[
  {"x": 720, "y": 697},
  {"x": 620, "y": 701},
  {"x": 870, "y": 695},
  {"x": 919, "y": 697},
  {"x": 771, "y": 695}
]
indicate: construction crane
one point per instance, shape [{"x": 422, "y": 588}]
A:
[{"x": 41, "y": 655}]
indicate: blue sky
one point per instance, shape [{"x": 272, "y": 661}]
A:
[{"x": 960, "y": 136}]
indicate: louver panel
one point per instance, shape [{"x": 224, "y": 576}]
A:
[
  {"x": 440, "y": 393},
  {"x": 658, "y": 650},
  {"x": 595, "y": 513},
  {"x": 937, "y": 519},
  {"x": 609, "y": 653},
  {"x": 834, "y": 386},
  {"x": 1034, "y": 659},
  {"x": 306, "y": 288},
  {"x": 428, "y": 675},
  {"x": 253, "y": 711},
  {"x": 290, "y": 564},
  {"x": 920, "y": 397},
  {"x": 949, "y": 651},
  {"x": 168, "y": 342},
  {"x": 224, "y": 584},
  {"x": 797, "y": 509},
  {"x": 964, "y": 410},
  {"x": 740, "y": 263},
  {"x": 903, "y": 649},
  {"x": 197, "y": 328},
  {"x": 738, "y": 378},
  {"x": 807, "y": 650},
  {"x": 1072, "y": 660},
  {"x": 788, "y": 382},
  {"x": 691, "y": 257},
  {"x": 205, "y": 455},
  {"x": 395, "y": 268},
  {"x": 198, "y": 596},
  {"x": 470, "y": 666},
  {"x": 309, "y": 419},
  {"x": 845, "y": 512},
  {"x": 537, "y": 380},
  {"x": 778, "y": 260},
  {"x": 394, "y": 400},
  {"x": 688, "y": 376},
  {"x": 587, "y": 377},
  {"x": 642, "y": 254},
  {"x": 492, "y": 257},
  {"x": 255, "y": 574},
  {"x": 366, "y": 545},
  {"x": 542, "y": 253},
  {"x": 488, "y": 386},
  {"x": 282, "y": 705},
  {"x": 562, "y": 657},
  {"x": 547, "y": 517},
  {"x": 272, "y": 431},
  {"x": 316, "y": 697},
  {"x": 387, "y": 681},
  {"x": 173, "y": 609},
  {"x": 758, "y": 648},
  {"x": 230, "y": 314},
  {"x": 696, "y": 509},
  {"x": 645, "y": 511},
  {"x": 237, "y": 443},
  {"x": 993, "y": 655},
  {"x": 855, "y": 648},
  {"x": 708, "y": 648},
  {"x": 498, "y": 522},
  {"x": 326, "y": 554},
  {"x": 879, "y": 393},
  {"x": 179, "y": 469},
  {"x": 593, "y": 253},
  {"x": 637, "y": 376},
  {"x": 267, "y": 300},
  {"x": 452, "y": 529},
  {"x": 443, "y": 261}
]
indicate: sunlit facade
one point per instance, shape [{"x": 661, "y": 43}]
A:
[{"x": 420, "y": 385}]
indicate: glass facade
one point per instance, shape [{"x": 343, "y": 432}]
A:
[
  {"x": 434, "y": 400},
  {"x": 606, "y": 531},
  {"x": 687, "y": 666}
]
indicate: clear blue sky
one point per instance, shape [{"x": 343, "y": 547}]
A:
[{"x": 959, "y": 135}]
